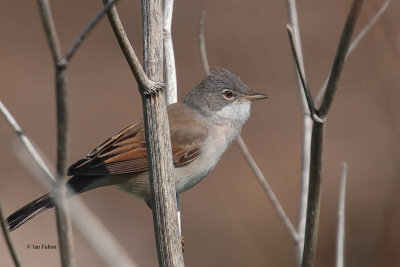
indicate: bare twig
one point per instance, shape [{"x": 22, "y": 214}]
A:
[
  {"x": 170, "y": 74},
  {"x": 307, "y": 130},
  {"x": 158, "y": 142},
  {"x": 86, "y": 222},
  {"x": 178, "y": 212},
  {"x": 62, "y": 217},
  {"x": 8, "y": 239},
  {"x": 247, "y": 155},
  {"x": 50, "y": 29},
  {"x": 339, "y": 58},
  {"x": 268, "y": 190},
  {"x": 97, "y": 235},
  {"x": 27, "y": 143},
  {"x": 355, "y": 42},
  {"x": 87, "y": 30},
  {"x": 301, "y": 71},
  {"x": 202, "y": 43},
  {"x": 146, "y": 86},
  {"x": 169, "y": 58},
  {"x": 90, "y": 227},
  {"x": 341, "y": 218},
  {"x": 313, "y": 205},
  {"x": 156, "y": 125}
]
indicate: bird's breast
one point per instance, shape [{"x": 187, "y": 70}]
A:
[{"x": 214, "y": 146}]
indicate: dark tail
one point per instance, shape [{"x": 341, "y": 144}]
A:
[
  {"x": 78, "y": 184},
  {"x": 29, "y": 211}
]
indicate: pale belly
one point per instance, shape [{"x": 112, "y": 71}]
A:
[{"x": 187, "y": 176}]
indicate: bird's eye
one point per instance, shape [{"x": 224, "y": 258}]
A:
[{"x": 228, "y": 94}]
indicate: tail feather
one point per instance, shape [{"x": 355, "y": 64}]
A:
[
  {"x": 77, "y": 184},
  {"x": 30, "y": 211}
]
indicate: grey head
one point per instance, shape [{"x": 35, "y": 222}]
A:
[{"x": 222, "y": 96}]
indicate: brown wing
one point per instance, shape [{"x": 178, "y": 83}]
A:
[{"x": 125, "y": 152}]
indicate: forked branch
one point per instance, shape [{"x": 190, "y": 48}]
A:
[
  {"x": 63, "y": 220},
  {"x": 300, "y": 70},
  {"x": 146, "y": 86},
  {"x": 313, "y": 205},
  {"x": 340, "y": 57},
  {"x": 156, "y": 127}
]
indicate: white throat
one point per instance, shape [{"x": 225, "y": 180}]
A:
[{"x": 234, "y": 116}]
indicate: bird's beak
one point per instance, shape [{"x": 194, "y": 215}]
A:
[{"x": 255, "y": 96}]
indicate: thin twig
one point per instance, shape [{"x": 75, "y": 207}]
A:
[
  {"x": 27, "y": 143},
  {"x": 355, "y": 42},
  {"x": 87, "y": 30},
  {"x": 87, "y": 223},
  {"x": 50, "y": 29},
  {"x": 170, "y": 74},
  {"x": 169, "y": 58},
  {"x": 146, "y": 86},
  {"x": 341, "y": 218},
  {"x": 96, "y": 234},
  {"x": 202, "y": 43},
  {"x": 340, "y": 57},
  {"x": 300, "y": 70},
  {"x": 246, "y": 153},
  {"x": 313, "y": 204},
  {"x": 163, "y": 197},
  {"x": 267, "y": 190},
  {"x": 8, "y": 239},
  {"x": 62, "y": 216},
  {"x": 307, "y": 130},
  {"x": 178, "y": 211}
]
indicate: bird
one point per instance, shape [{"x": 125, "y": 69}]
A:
[{"x": 202, "y": 127}]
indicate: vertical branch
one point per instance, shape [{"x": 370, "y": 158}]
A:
[
  {"x": 313, "y": 205},
  {"x": 158, "y": 141},
  {"x": 86, "y": 222},
  {"x": 170, "y": 73},
  {"x": 341, "y": 218},
  {"x": 156, "y": 127},
  {"x": 169, "y": 58},
  {"x": 307, "y": 130},
  {"x": 62, "y": 217},
  {"x": 8, "y": 239}
]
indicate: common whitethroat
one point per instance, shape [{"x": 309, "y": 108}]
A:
[{"x": 201, "y": 128}]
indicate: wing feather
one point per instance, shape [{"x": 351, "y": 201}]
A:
[{"x": 125, "y": 152}]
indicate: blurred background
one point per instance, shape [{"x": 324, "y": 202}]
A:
[{"x": 227, "y": 220}]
